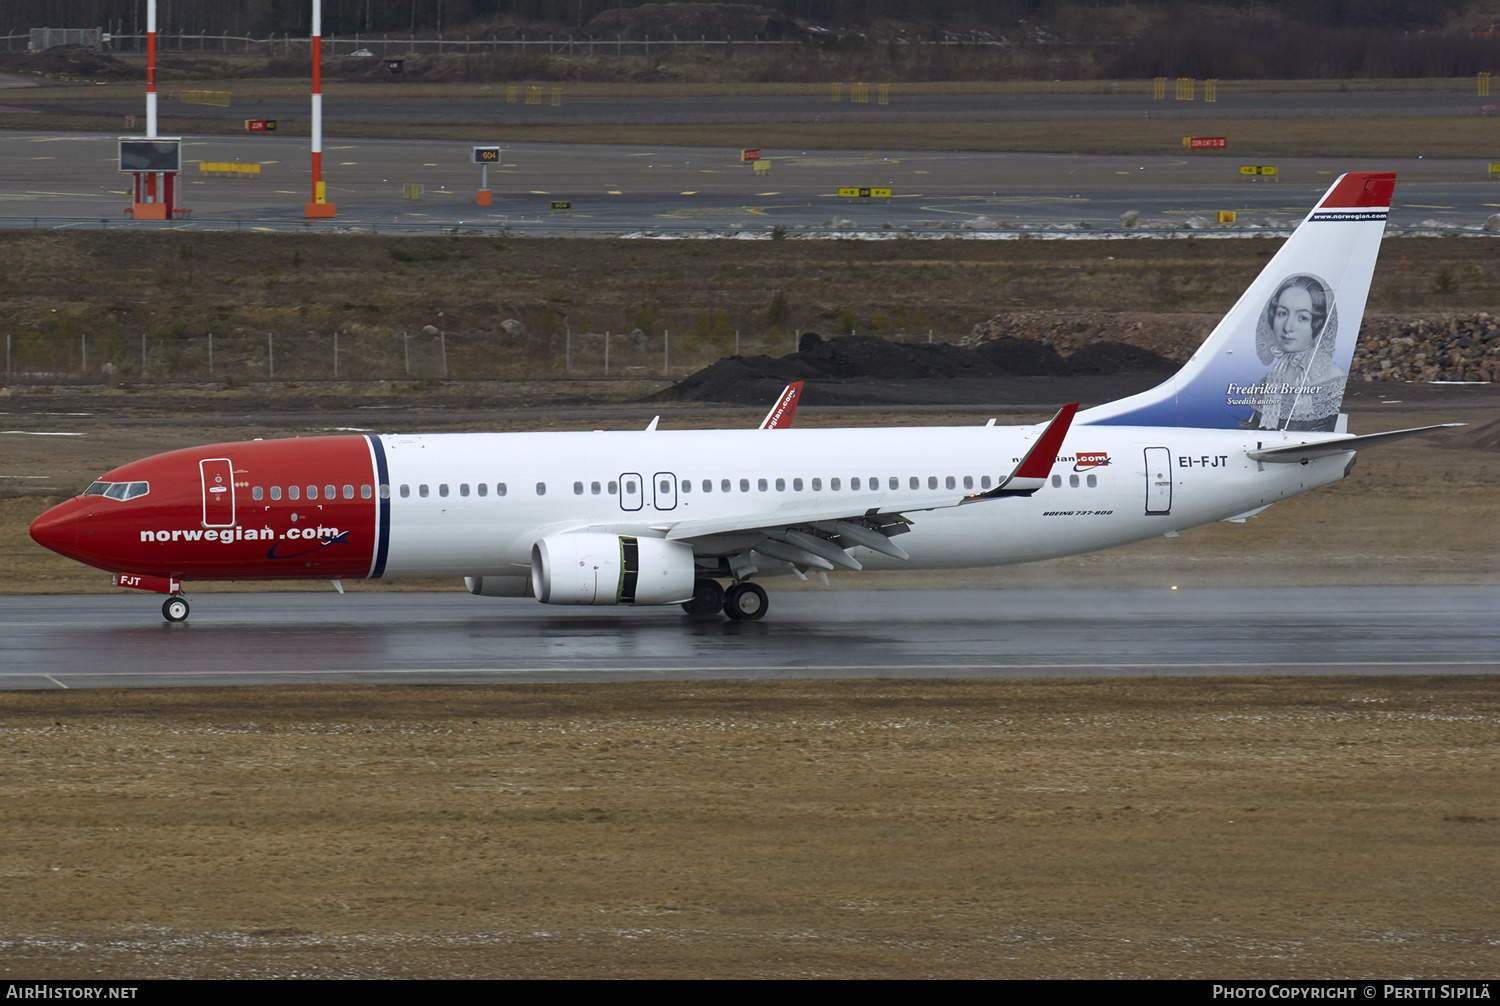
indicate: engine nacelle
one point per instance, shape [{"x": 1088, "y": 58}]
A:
[
  {"x": 591, "y": 568},
  {"x": 499, "y": 586}
]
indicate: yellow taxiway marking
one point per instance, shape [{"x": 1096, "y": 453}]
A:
[
  {"x": 346, "y": 147},
  {"x": 347, "y": 164},
  {"x": 433, "y": 165},
  {"x": 615, "y": 192},
  {"x": 263, "y": 228},
  {"x": 923, "y": 172},
  {"x": 692, "y": 193},
  {"x": 288, "y": 192},
  {"x": 768, "y": 193},
  {"x": 641, "y": 155},
  {"x": 707, "y": 171},
  {"x": 75, "y": 195},
  {"x": 540, "y": 192},
  {"x": 49, "y": 157}
]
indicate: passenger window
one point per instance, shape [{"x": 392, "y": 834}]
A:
[
  {"x": 422, "y": 490},
  {"x": 614, "y": 487},
  {"x": 385, "y": 490},
  {"x": 442, "y": 489},
  {"x": 329, "y": 492},
  {"x": 292, "y": 492},
  {"x": 364, "y": 492},
  {"x": 817, "y": 485},
  {"x": 541, "y": 488},
  {"x": 405, "y": 491},
  {"x": 257, "y": 493},
  {"x": 745, "y": 485},
  {"x": 594, "y": 488},
  {"x": 968, "y": 482},
  {"x": 463, "y": 488},
  {"x": 577, "y": 488},
  {"x": 832, "y": 484},
  {"x": 984, "y": 482},
  {"x": 312, "y": 492},
  {"x": 914, "y": 482},
  {"x": 895, "y": 482},
  {"x": 1073, "y": 481},
  {"x": 1057, "y": 482},
  {"x": 483, "y": 488},
  {"x": 796, "y": 485},
  {"x": 723, "y": 485},
  {"x": 275, "y": 492},
  {"x": 853, "y": 484},
  {"x": 348, "y": 492},
  {"x": 950, "y": 483},
  {"x": 781, "y": 485},
  {"x": 931, "y": 482},
  {"x": 1093, "y": 481},
  {"x": 666, "y": 487},
  {"x": 687, "y": 485},
  {"x": 760, "y": 484},
  {"x": 629, "y": 486},
  {"x": 708, "y": 485},
  {"x": 499, "y": 488}
]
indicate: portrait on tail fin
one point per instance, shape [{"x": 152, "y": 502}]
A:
[{"x": 1296, "y": 335}]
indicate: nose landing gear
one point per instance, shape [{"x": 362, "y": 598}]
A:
[{"x": 175, "y": 608}]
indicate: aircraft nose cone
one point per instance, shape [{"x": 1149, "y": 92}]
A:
[{"x": 57, "y": 529}]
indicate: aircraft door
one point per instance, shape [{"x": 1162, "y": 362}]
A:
[
  {"x": 664, "y": 490},
  {"x": 632, "y": 491},
  {"x": 1158, "y": 480},
  {"x": 218, "y": 492}
]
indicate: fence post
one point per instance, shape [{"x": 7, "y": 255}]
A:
[
  {"x": 606, "y": 353},
  {"x": 666, "y": 351},
  {"x": 271, "y": 354},
  {"x": 335, "y": 356},
  {"x": 210, "y": 356}
]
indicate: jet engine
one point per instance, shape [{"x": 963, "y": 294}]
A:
[{"x": 592, "y": 568}]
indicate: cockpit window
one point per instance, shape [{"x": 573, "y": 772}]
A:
[{"x": 118, "y": 490}]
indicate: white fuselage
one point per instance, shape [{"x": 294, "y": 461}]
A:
[{"x": 1109, "y": 486}]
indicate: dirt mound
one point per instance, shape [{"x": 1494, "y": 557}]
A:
[
  {"x": 864, "y": 360},
  {"x": 694, "y": 20},
  {"x": 1480, "y": 438},
  {"x": 69, "y": 61}
]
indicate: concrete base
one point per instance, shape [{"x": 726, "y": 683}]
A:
[
  {"x": 150, "y": 211},
  {"x": 312, "y": 210}
]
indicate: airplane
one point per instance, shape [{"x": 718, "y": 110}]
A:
[
  {"x": 785, "y": 409},
  {"x": 659, "y": 517}
]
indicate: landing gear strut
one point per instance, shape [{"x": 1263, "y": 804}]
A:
[
  {"x": 175, "y": 609},
  {"x": 708, "y": 598},
  {"x": 745, "y": 602}
]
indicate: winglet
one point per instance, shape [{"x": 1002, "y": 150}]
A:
[
  {"x": 1031, "y": 474},
  {"x": 780, "y": 416}
]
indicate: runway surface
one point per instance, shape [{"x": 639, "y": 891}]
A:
[
  {"x": 235, "y": 639},
  {"x": 70, "y": 180}
]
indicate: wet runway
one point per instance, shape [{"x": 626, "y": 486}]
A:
[{"x": 120, "y": 640}]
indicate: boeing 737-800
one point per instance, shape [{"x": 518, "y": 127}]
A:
[{"x": 668, "y": 517}]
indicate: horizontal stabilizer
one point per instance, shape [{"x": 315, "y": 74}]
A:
[{"x": 1297, "y": 454}]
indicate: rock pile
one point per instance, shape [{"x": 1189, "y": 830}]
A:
[{"x": 1428, "y": 349}]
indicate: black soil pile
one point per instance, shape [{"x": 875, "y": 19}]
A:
[
  {"x": 862, "y": 367},
  {"x": 69, "y": 61}
]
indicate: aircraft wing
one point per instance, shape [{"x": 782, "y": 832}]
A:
[
  {"x": 1297, "y": 454},
  {"x": 781, "y": 414},
  {"x": 816, "y": 536}
]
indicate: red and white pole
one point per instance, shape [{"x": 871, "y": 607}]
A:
[
  {"x": 151, "y": 69},
  {"x": 320, "y": 206}
]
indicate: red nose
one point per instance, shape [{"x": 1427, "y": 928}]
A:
[{"x": 57, "y": 529}]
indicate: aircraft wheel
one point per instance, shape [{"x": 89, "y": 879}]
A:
[
  {"x": 175, "y": 609},
  {"x": 708, "y": 598},
  {"x": 745, "y": 602}
]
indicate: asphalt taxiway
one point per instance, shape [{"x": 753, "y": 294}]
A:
[
  {"x": 50, "y": 180},
  {"x": 236, "y": 639}
]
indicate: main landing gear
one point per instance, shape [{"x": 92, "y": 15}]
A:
[
  {"x": 175, "y": 608},
  {"x": 742, "y": 602}
]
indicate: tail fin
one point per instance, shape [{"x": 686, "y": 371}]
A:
[{"x": 1280, "y": 358}]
